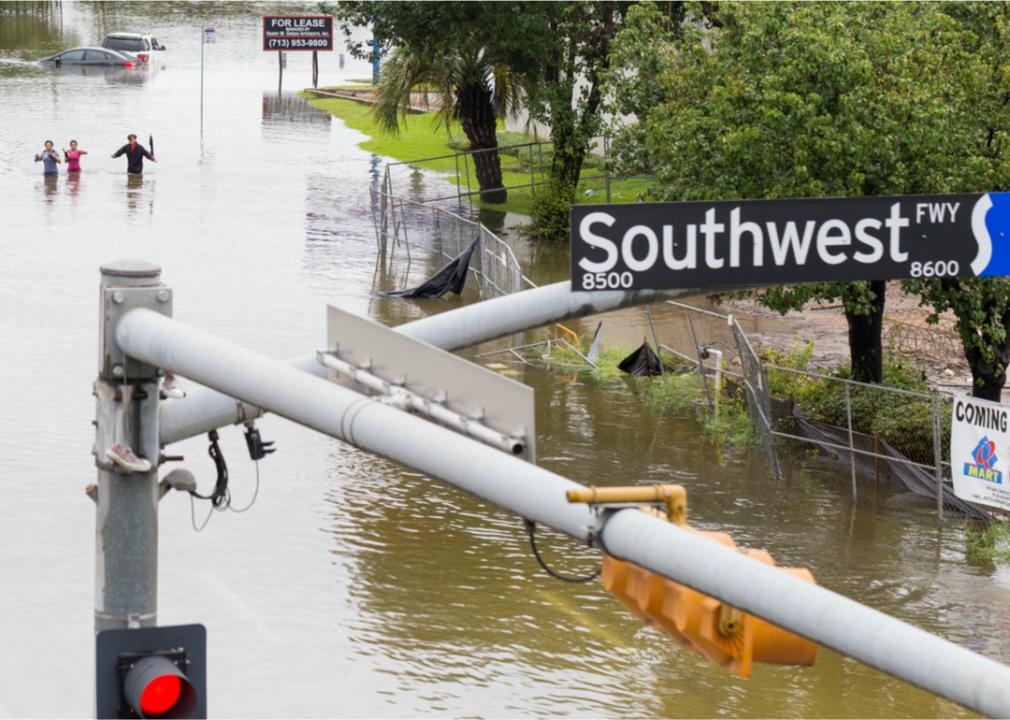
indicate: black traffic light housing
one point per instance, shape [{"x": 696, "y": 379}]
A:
[{"x": 158, "y": 672}]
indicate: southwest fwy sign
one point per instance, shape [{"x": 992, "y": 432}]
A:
[
  {"x": 747, "y": 242},
  {"x": 980, "y": 451}
]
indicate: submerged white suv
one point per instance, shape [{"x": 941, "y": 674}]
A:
[{"x": 145, "y": 47}]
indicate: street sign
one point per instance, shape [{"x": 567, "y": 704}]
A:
[
  {"x": 209, "y": 35},
  {"x": 980, "y": 451},
  {"x": 443, "y": 379},
  {"x": 768, "y": 242},
  {"x": 297, "y": 32}
]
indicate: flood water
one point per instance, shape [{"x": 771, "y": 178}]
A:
[{"x": 355, "y": 587}]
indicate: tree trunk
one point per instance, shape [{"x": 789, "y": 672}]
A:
[
  {"x": 866, "y": 347},
  {"x": 477, "y": 116},
  {"x": 988, "y": 378}
]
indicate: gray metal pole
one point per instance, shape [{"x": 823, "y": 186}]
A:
[
  {"x": 126, "y": 531},
  {"x": 852, "y": 449},
  {"x": 540, "y": 495},
  {"x": 938, "y": 459},
  {"x": 203, "y": 41},
  {"x": 204, "y": 410}
]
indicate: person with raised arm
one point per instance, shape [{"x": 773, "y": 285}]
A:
[{"x": 135, "y": 154}]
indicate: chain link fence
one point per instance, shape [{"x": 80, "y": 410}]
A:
[
  {"x": 885, "y": 446},
  {"x": 522, "y": 169},
  {"x": 413, "y": 227}
]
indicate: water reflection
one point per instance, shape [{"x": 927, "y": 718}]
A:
[
  {"x": 136, "y": 194},
  {"x": 50, "y": 184},
  {"x": 30, "y": 30},
  {"x": 291, "y": 108},
  {"x": 73, "y": 186}
]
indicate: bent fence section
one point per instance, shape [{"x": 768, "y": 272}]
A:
[
  {"x": 886, "y": 445},
  {"x": 422, "y": 227}
]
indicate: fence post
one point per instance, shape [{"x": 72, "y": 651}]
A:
[
  {"x": 459, "y": 191},
  {"x": 655, "y": 341},
  {"x": 852, "y": 449},
  {"x": 701, "y": 367},
  {"x": 938, "y": 460},
  {"x": 606, "y": 165},
  {"x": 540, "y": 153},
  {"x": 533, "y": 175},
  {"x": 466, "y": 167}
]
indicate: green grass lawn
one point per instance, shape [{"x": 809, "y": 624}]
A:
[{"x": 421, "y": 136}]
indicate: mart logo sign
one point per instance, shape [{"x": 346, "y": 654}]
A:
[{"x": 985, "y": 459}]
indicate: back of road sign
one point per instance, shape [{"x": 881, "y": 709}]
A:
[{"x": 460, "y": 385}]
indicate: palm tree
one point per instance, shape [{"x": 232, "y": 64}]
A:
[{"x": 469, "y": 88}]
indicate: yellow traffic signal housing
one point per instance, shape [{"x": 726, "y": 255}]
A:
[{"x": 728, "y": 637}]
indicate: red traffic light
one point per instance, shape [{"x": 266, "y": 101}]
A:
[
  {"x": 156, "y": 672},
  {"x": 160, "y": 695},
  {"x": 156, "y": 687}
]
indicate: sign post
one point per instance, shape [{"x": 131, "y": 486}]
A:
[
  {"x": 979, "y": 451},
  {"x": 639, "y": 246},
  {"x": 208, "y": 35}
]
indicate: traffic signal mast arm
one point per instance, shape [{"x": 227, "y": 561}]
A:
[
  {"x": 205, "y": 409},
  {"x": 660, "y": 547}
]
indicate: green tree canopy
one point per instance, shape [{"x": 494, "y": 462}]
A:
[
  {"x": 777, "y": 100},
  {"x": 554, "y": 51}
]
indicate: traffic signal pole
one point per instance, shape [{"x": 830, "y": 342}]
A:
[
  {"x": 126, "y": 394},
  {"x": 204, "y": 409},
  {"x": 139, "y": 339},
  {"x": 147, "y": 336}
]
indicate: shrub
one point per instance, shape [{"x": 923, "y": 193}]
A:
[{"x": 551, "y": 211}]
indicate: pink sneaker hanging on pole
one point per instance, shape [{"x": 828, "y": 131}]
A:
[{"x": 124, "y": 458}]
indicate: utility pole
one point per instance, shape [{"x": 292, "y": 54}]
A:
[
  {"x": 126, "y": 392},
  {"x": 207, "y": 35},
  {"x": 203, "y": 41},
  {"x": 375, "y": 60}
]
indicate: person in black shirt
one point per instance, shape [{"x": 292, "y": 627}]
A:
[{"x": 135, "y": 154}]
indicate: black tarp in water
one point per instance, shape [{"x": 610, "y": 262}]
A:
[
  {"x": 451, "y": 277},
  {"x": 644, "y": 361}
]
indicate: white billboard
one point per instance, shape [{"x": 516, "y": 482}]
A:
[{"x": 980, "y": 451}]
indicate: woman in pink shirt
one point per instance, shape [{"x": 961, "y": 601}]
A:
[{"x": 73, "y": 156}]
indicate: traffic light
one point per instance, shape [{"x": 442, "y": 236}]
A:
[
  {"x": 728, "y": 637},
  {"x": 158, "y": 672}
]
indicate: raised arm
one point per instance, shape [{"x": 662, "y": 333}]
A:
[{"x": 120, "y": 151}]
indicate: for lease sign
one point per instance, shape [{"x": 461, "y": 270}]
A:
[
  {"x": 297, "y": 32},
  {"x": 753, "y": 242},
  {"x": 980, "y": 451}
]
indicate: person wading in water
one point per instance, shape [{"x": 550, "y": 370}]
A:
[
  {"x": 49, "y": 159},
  {"x": 73, "y": 157},
  {"x": 135, "y": 154}
]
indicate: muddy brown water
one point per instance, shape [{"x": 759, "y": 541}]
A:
[{"x": 355, "y": 587}]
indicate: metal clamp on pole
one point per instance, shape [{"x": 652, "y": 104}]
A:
[
  {"x": 728, "y": 637},
  {"x": 431, "y": 408}
]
